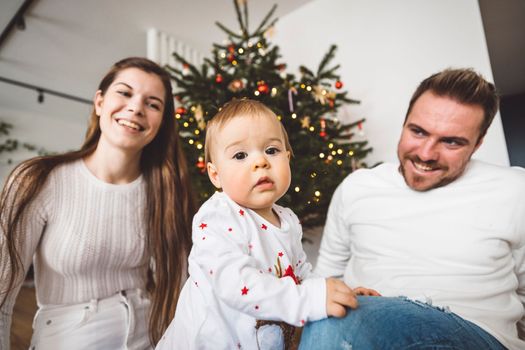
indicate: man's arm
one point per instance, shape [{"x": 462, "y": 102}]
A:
[
  {"x": 335, "y": 247},
  {"x": 519, "y": 259}
]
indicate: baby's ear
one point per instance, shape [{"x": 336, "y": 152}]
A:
[{"x": 213, "y": 175}]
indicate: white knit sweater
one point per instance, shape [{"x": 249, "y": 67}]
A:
[
  {"x": 86, "y": 239},
  {"x": 461, "y": 245}
]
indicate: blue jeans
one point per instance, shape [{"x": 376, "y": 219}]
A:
[{"x": 396, "y": 323}]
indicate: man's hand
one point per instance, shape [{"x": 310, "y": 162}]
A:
[{"x": 338, "y": 297}]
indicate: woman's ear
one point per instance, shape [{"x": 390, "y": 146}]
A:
[
  {"x": 213, "y": 174},
  {"x": 97, "y": 102}
]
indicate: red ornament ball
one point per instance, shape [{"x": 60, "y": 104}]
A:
[
  {"x": 231, "y": 48},
  {"x": 322, "y": 134},
  {"x": 338, "y": 84},
  {"x": 218, "y": 78},
  {"x": 181, "y": 110},
  {"x": 262, "y": 87}
]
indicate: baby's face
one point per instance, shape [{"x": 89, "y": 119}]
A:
[{"x": 250, "y": 161}]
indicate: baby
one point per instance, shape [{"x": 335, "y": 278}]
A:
[{"x": 249, "y": 279}]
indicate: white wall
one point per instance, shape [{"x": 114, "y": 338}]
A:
[
  {"x": 39, "y": 124},
  {"x": 385, "y": 49}
]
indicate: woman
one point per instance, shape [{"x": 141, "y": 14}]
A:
[{"x": 108, "y": 226}]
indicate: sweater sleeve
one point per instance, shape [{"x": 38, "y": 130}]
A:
[
  {"x": 26, "y": 241},
  {"x": 220, "y": 254},
  {"x": 519, "y": 260},
  {"x": 334, "y": 252}
]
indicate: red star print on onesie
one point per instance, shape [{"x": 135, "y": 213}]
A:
[
  {"x": 264, "y": 227},
  {"x": 203, "y": 225},
  {"x": 241, "y": 212},
  {"x": 280, "y": 254},
  {"x": 244, "y": 291}
]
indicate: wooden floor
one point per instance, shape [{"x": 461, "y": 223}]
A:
[{"x": 23, "y": 312}]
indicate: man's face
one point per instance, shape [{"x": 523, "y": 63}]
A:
[{"x": 438, "y": 139}]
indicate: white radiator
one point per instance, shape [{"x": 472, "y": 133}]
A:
[{"x": 161, "y": 46}]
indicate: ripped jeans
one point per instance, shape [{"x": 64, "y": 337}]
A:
[{"x": 396, "y": 323}]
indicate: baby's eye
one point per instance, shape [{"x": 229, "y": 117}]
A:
[
  {"x": 272, "y": 150},
  {"x": 240, "y": 155}
]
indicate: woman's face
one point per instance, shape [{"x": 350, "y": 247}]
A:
[{"x": 131, "y": 110}]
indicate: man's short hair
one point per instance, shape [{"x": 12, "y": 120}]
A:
[
  {"x": 238, "y": 108},
  {"x": 466, "y": 87}
]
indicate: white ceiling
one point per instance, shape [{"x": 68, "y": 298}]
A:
[{"x": 69, "y": 44}]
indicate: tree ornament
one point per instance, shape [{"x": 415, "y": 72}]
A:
[
  {"x": 322, "y": 133},
  {"x": 291, "y": 91},
  {"x": 360, "y": 131},
  {"x": 231, "y": 48},
  {"x": 218, "y": 78},
  {"x": 338, "y": 84},
  {"x": 185, "y": 68},
  {"x": 354, "y": 163},
  {"x": 270, "y": 32},
  {"x": 262, "y": 87},
  {"x": 181, "y": 110},
  {"x": 199, "y": 117},
  {"x": 321, "y": 95},
  {"x": 231, "y": 58},
  {"x": 236, "y": 85},
  {"x": 200, "y": 163},
  {"x": 305, "y": 122}
]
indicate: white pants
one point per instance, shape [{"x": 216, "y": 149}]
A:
[{"x": 113, "y": 323}]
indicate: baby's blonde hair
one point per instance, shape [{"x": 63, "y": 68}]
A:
[{"x": 238, "y": 108}]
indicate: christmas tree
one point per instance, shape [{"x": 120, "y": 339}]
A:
[{"x": 247, "y": 65}]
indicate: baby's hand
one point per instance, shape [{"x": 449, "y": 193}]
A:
[
  {"x": 366, "y": 291},
  {"x": 338, "y": 297}
]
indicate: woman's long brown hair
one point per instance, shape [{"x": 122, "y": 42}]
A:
[{"x": 169, "y": 209}]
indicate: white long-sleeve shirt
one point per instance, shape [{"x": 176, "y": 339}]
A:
[
  {"x": 86, "y": 238},
  {"x": 461, "y": 245},
  {"x": 242, "y": 269}
]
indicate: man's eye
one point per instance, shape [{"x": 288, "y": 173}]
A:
[
  {"x": 417, "y": 131},
  {"x": 272, "y": 150},
  {"x": 240, "y": 155}
]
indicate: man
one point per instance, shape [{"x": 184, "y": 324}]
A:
[{"x": 440, "y": 236}]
